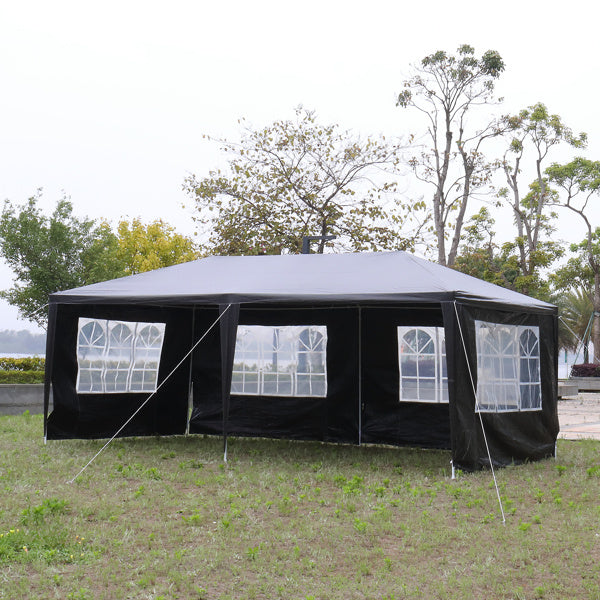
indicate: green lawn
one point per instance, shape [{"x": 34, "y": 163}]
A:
[{"x": 165, "y": 518}]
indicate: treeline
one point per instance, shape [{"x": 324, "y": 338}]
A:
[{"x": 22, "y": 342}]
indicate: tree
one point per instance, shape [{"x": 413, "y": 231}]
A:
[
  {"x": 59, "y": 252},
  {"x": 575, "y": 310},
  {"x": 446, "y": 88},
  {"x": 146, "y": 247},
  {"x": 297, "y": 178},
  {"x": 579, "y": 180},
  {"x": 48, "y": 254},
  {"x": 481, "y": 257},
  {"x": 536, "y": 131}
]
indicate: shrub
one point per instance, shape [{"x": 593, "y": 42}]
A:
[
  {"x": 30, "y": 363},
  {"x": 585, "y": 370},
  {"x": 22, "y": 370},
  {"x": 14, "y": 377}
]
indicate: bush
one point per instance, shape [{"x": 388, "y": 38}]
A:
[
  {"x": 30, "y": 363},
  {"x": 13, "y": 377},
  {"x": 22, "y": 370},
  {"x": 585, "y": 370}
]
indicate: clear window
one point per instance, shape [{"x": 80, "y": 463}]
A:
[
  {"x": 508, "y": 367},
  {"x": 118, "y": 356},
  {"x": 147, "y": 348},
  {"x": 280, "y": 361},
  {"x": 422, "y": 360}
]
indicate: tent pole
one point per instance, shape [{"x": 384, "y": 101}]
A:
[
  {"x": 228, "y": 330},
  {"x": 464, "y": 345},
  {"x": 359, "y": 375},
  {"x": 190, "y": 382},
  {"x": 52, "y": 314}
]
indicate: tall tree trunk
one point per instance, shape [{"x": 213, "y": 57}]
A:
[
  {"x": 439, "y": 200},
  {"x": 438, "y": 222},
  {"x": 468, "y": 168}
]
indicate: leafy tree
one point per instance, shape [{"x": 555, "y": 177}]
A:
[
  {"x": 297, "y": 178},
  {"x": 58, "y": 252},
  {"x": 481, "y": 257},
  {"x": 534, "y": 250},
  {"x": 535, "y": 132},
  {"x": 146, "y": 247},
  {"x": 48, "y": 254},
  {"x": 579, "y": 180},
  {"x": 446, "y": 88}
]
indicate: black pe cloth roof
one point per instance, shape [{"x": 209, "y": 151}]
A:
[{"x": 358, "y": 277}]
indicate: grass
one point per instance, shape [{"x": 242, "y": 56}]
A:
[{"x": 165, "y": 518}]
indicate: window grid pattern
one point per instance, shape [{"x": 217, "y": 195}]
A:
[
  {"x": 508, "y": 367},
  {"x": 422, "y": 361},
  {"x": 118, "y": 356},
  {"x": 280, "y": 361}
]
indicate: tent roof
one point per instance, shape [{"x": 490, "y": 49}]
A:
[{"x": 358, "y": 277}]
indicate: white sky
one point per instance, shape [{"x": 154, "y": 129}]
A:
[{"x": 107, "y": 101}]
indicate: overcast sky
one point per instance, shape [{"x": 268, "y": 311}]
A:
[{"x": 107, "y": 101}]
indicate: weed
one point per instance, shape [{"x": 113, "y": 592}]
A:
[
  {"x": 354, "y": 486},
  {"x": 360, "y": 526},
  {"x": 593, "y": 471},
  {"x": 37, "y": 514},
  {"x": 379, "y": 491},
  {"x": 152, "y": 473},
  {"x": 193, "y": 519},
  {"x": 80, "y": 594},
  {"x": 339, "y": 480},
  {"x": 202, "y": 593}
]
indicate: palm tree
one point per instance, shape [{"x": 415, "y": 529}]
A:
[{"x": 575, "y": 309}]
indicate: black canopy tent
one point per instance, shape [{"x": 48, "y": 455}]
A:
[{"x": 360, "y": 301}]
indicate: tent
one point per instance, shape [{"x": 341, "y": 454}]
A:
[{"x": 352, "y": 348}]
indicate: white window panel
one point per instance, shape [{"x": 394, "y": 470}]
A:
[
  {"x": 147, "y": 349},
  {"x": 508, "y": 367},
  {"x": 288, "y": 360},
  {"x": 118, "y": 356},
  {"x": 91, "y": 345},
  {"x": 422, "y": 361}
]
